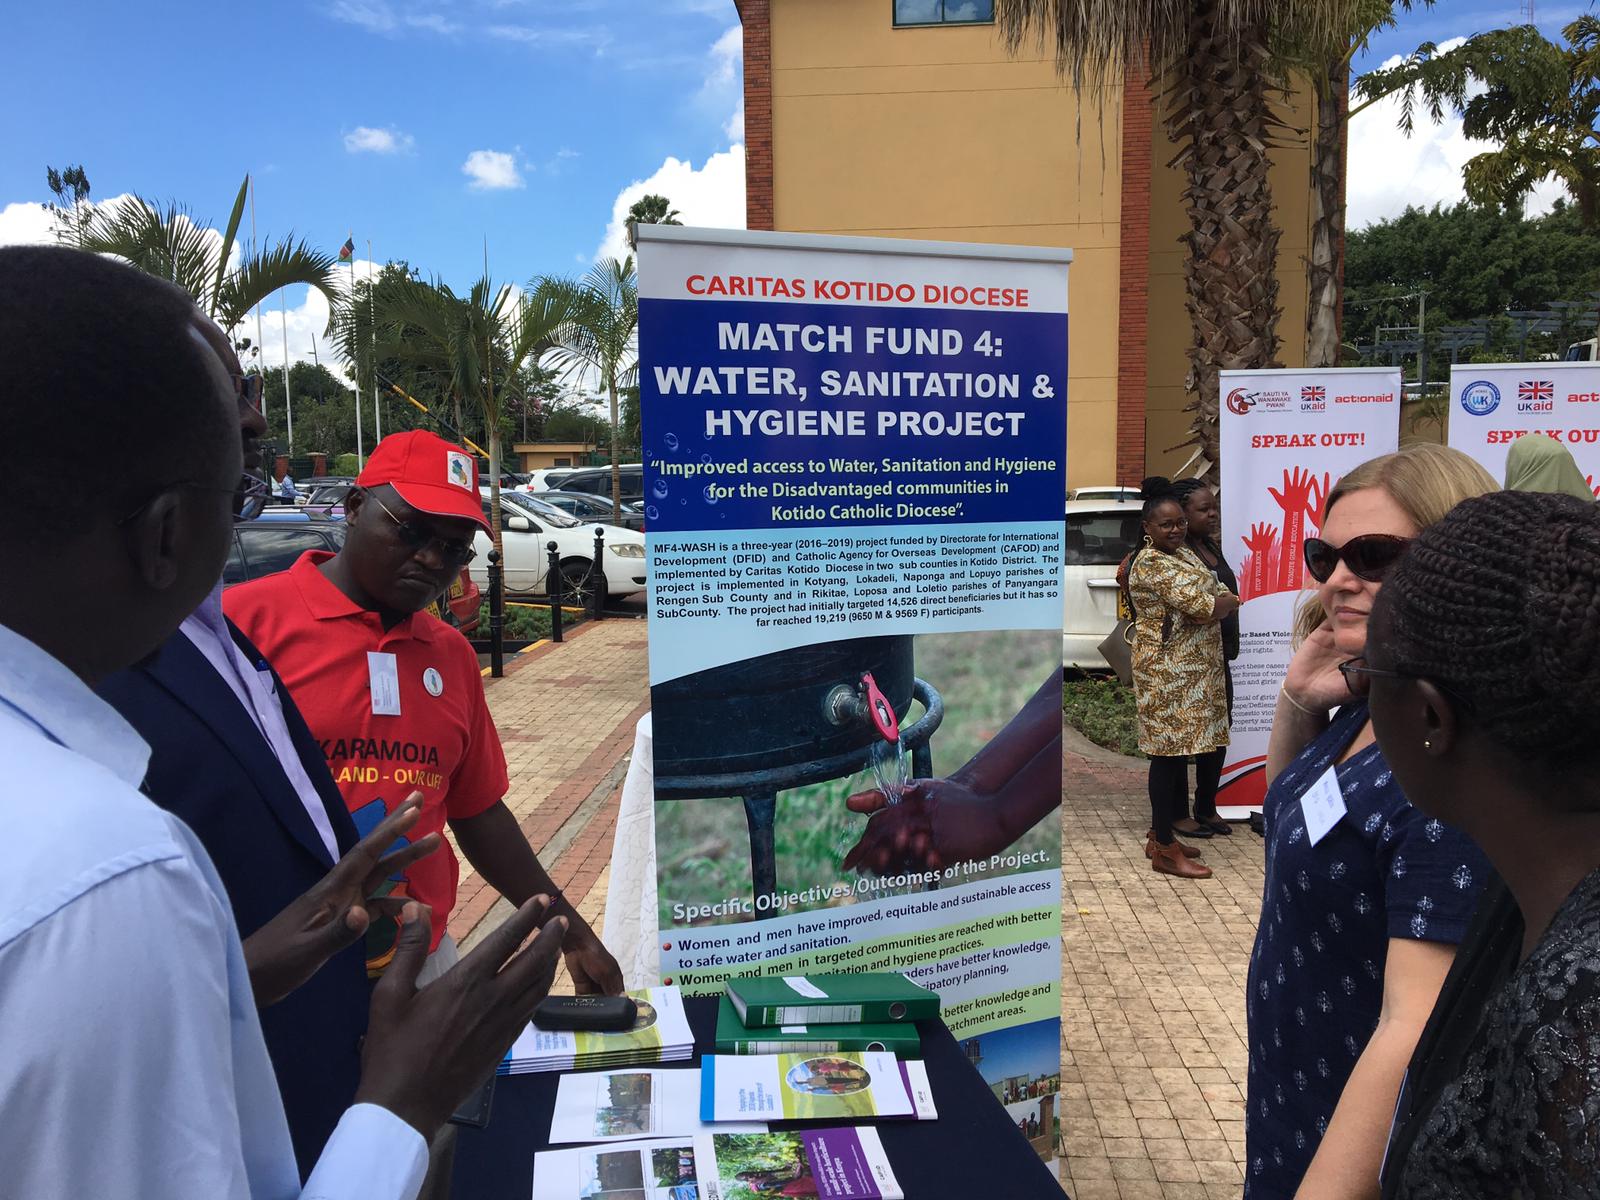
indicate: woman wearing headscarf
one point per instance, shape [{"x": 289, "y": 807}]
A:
[
  {"x": 1177, "y": 672},
  {"x": 1365, "y": 898},
  {"x": 1537, "y": 462},
  {"x": 1483, "y": 676}
]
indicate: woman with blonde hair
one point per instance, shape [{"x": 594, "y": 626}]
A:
[{"x": 1365, "y": 899}]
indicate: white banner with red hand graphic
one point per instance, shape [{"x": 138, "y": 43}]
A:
[
  {"x": 1494, "y": 404},
  {"x": 1287, "y": 437}
]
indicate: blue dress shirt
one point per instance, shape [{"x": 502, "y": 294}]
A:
[{"x": 131, "y": 1056}]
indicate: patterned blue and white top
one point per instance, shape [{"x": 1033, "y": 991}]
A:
[{"x": 1328, "y": 912}]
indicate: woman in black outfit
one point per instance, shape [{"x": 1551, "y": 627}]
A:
[
  {"x": 1483, "y": 672},
  {"x": 1200, "y": 506}
]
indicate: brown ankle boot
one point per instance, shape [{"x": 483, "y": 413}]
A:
[
  {"x": 1150, "y": 846},
  {"x": 1170, "y": 860}
]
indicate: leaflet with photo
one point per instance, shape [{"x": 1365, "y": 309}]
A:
[
  {"x": 614, "y": 1106},
  {"x": 833, "y": 1086}
]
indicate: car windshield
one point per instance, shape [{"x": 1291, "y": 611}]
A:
[
  {"x": 1101, "y": 538},
  {"x": 548, "y": 513}
]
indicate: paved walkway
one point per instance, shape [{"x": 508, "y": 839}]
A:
[
  {"x": 1152, "y": 998},
  {"x": 566, "y": 715}
]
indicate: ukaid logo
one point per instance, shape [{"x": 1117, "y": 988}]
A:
[
  {"x": 458, "y": 469},
  {"x": 1480, "y": 397},
  {"x": 1313, "y": 399},
  {"x": 1536, "y": 395}
]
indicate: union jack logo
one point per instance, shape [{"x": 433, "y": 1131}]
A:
[
  {"x": 1536, "y": 389},
  {"x": 1313, "y": 393}
]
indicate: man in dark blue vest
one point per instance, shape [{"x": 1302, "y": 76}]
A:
[{"x": 232, "y": 757}]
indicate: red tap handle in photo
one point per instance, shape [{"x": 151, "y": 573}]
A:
[{"x": 880, "y": 710}]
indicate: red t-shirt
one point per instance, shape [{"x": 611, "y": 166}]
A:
[{"x": 442, "y": 743}]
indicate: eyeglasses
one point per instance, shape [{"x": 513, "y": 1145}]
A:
[
  {"x": 248, "y": 389},
  {"x": 1172, "y": 526},
  {"x": 452, "y": 552},
  {"x": 1356, "y": 669},
  {"x": 250, "y": 497},
  {"x": 1369, "y": 556}
]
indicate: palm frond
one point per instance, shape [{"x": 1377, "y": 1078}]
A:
[
  {"x": 228, "y": 237},
  {"x": 164, "y": 242},
  {"x": 282, "y": 265}
]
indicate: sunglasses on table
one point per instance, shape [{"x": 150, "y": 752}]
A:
[
  {"x": 414, "y": 537},
  {"x": 1369, "y": 556}
]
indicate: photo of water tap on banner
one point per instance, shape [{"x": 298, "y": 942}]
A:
[
  {"x": 854, "y": 455},
  {"x": 1287, "y": 437}
]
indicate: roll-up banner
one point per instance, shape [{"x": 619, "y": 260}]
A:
[
  {"x": 854, "y": 457},
  {"x": 1287, "y": 437},
  {"x": 1494, "y": 404}
]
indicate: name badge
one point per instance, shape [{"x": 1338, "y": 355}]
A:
[
  {"x": 383, "y": 678},
  {"x": 1322, "y": 805}
]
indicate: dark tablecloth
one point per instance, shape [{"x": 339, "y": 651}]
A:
[{"x": 973, "y": 1149}]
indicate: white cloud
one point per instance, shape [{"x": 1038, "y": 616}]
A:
[
  {"x": 433, "y": 22},
  {"x": 306, "y": 323},
  {"x": 492, "y": 170},
  {"x": 711, "y": 195},
  {"x": 364, "y": 139},
  {"x": 724, "y": 82},
  {"x": 1389, "y": 171},
  {"x": 25, "y": 224},
  {"x": 597, "y": 37},
  {"x": 375, "y": 16}
]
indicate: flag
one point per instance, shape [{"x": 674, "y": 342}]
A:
[{"x": 347, "y": 252}]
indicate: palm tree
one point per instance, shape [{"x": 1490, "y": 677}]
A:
[
  {"x": 1211, "y": 60},
  {"x": 596, "y": 336},
  {"x": 167, "y": 242},
  {"x": 650, "y": 210}
]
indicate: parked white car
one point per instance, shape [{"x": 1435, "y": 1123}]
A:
[
  {"x": 1100, "y": 534},
  {"x": 1107, "y": 492},
  {"x": 528, "y": 525}
]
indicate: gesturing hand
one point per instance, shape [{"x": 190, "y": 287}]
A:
[
  {"x": 1314, "y": 681},
  {"x": 594, "y": 971},
  {"x": 288, "y": 950},
  {"x": 426, "y": 1050}
]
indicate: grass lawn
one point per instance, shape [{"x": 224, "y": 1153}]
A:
[{"x": 1102, "y": 709}]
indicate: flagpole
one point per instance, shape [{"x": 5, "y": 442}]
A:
[
  {"x": 377, "y": 413},
  {"x": 288, "y": 402},
  {"x": 360, "y": 456},
  {"x": 261, "y": 341}
]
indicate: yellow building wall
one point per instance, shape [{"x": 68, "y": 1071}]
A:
[
  {"x": 1166, "y": 424},
  {"x": 934, "y": 133}
]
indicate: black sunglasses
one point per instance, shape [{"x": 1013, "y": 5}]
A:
[
  {"x": 414, "y": 537},
  {"x": 250, "y": 497},
  {"x": 248, "y": 389},
  {"x": 1369, "y": 556}
]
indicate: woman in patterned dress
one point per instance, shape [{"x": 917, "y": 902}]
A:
[
  {"x": 1365, "y": 898},
  {"x": 1177, "y": 672},
  {"x": 1483, "y": 673}
]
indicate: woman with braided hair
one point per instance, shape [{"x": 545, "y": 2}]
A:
[
  {"x": 1483, "y": 672},
  {"x": 1200, "y": 510},
  {"x": 1365, "y": 898},
  {"x": 1177, "y": 672}
]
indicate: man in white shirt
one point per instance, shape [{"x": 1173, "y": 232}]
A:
[{"x": 131, "y": 1057}]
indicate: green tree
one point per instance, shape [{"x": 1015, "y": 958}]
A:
[
  {"x": 1212, "y": 61},
  {"x": 649, "y": 210},
  {"x": 324, "y": 410},
  {"x": 596, "y": 336},
  {"x": 167, "y": 242},
  {"x": 73, "y": 206}
]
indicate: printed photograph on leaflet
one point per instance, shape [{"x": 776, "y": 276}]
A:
[{"x": 855, "y": 485}]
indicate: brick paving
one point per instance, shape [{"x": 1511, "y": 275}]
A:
[
  {"x": 1152, "y": 997},
  {"x": 1153, "y": 969},
  {"x": 566, "y": 715}
]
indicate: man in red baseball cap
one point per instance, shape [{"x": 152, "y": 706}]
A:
[{"x": 395, "y": 696}]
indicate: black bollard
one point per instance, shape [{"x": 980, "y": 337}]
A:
[
  {"x": 552, "y": 584},
  {"x": 497, "y": 616},
  {"x": 597, "y": 573}
]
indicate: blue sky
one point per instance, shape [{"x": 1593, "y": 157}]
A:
[
  {"x": 427, "y": 126},
  {"x": 575, "y": 100}
]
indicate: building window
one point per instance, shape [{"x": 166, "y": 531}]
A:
[{"x": 943, "y": 12}]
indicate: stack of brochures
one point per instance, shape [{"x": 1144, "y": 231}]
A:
[
  {"x": 660, "y": 1034},
  {"x": 820, "y": 1086},
  {"x": 830, "y": 1164},
  {"x": 816, "y": 1013}
]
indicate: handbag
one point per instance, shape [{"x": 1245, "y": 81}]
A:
[{"x": 1117, "y": 650}]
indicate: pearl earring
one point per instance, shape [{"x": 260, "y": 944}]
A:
[{"x": 1427, "y": 743}]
